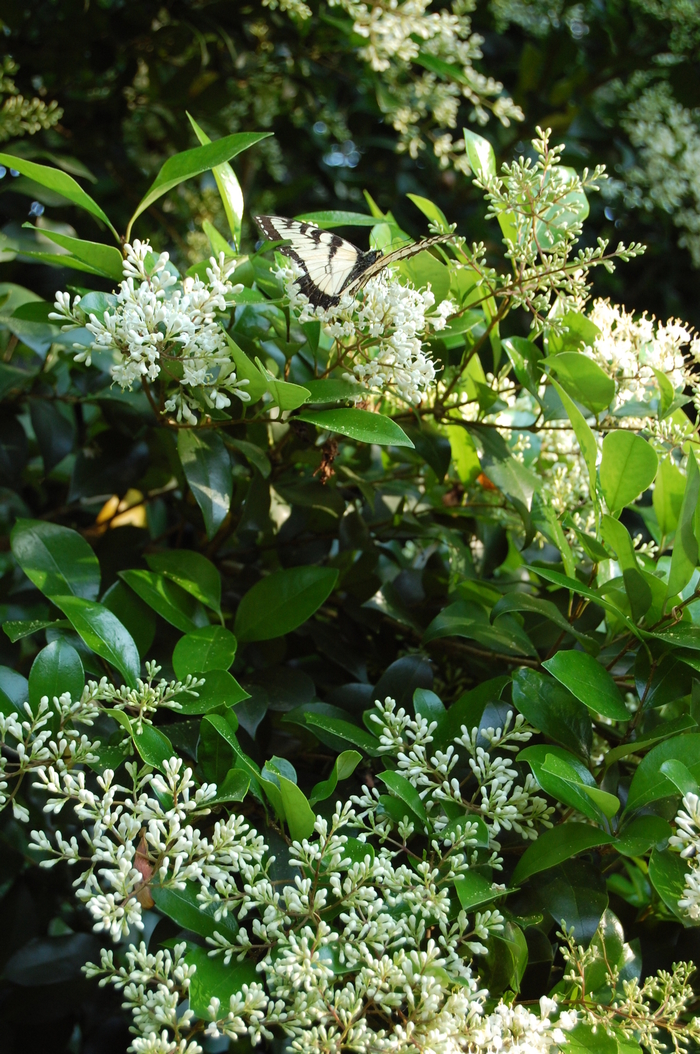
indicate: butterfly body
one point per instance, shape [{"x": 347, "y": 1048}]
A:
[{"x": 330, "y": 265}]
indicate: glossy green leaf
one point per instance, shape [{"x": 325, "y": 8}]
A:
[
  {"x": 166, "y": 598},
  {"x": 482, "y": 159},
  {"x": 56, "y": 559},
  {"x": 583, "y": 380},
  {"x": 474, "y": 890},
  {"x": 153, "y": 746},
  {"x": 553, "y": 710},
  {"x": 209, "y": 648},
  {"x": 214, "y": 978},
  {"x": 58, "y": 181},
  {"x": 132, "y": 612},
  {"x": 333, "y": 390},
  {"x": 207, "y": 467},
  {"x": 627, "y": 468},
  {"x": 684, "y": 557},
  {"x": 219, "y": 689},
  {"x": 589, "y": 682},
  {"x": 297, "y": 811},
  {"x": 641, "y": 834},
  {"x": 361, "y": 425},
  {"x": 467, "y": 619},
  {"x": 649, "y": 783},
  {"x": 404, "y": 789},
  {"x": 431, "y": 210},
  {"x": 667, "y": 496},
  {"x": 286, "y": 395},
  {"x": 229, "y": 188},
  {"x": 337, "y": 218},
  {"x": 182, "y": 906},
  {"x": 568, "y": 782},
  {"x": 17, "y": 629},
  {"x": 343, "y": 767},
  {"x": 103, "y": 633},
  {"x": 582, "y": 431},
  {"x": 556, "y": 845},
  {"x": 14, "y": 692},
  {"x": 192, "y": 572},
  {"x": 667, "y": 871},
  {"x": 56, "y": 669},
  {"x": 674, "y": 770},
  {"x": 517, "y": 601},
  {"x": 282, "y": 601},
  {"x": 342, "y": 730},
  {"x": 608, "y": 804},
  {"x": 190, "y": 163},
  {"x": 104, "y": 259}
]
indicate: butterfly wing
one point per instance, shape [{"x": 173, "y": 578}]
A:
[
  {"x": 328, "y": 261},
  {"x": 403, "y": 253}
]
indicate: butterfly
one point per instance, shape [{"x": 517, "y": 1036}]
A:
[{"x": 331, "y": 265}]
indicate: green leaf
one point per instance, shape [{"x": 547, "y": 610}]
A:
[
  {"x": 337, "y": 218},
  {"x": 153, "y": 746},
  {"x": 431, "y": 210},
  {"x": 556, "y": 845},
  {"x": 60, "y": 182},
  {"x": 583, "y": 1039},
  {"x": 345, "y": 765},
  {"x": 229, "y": 188},
  {"x": 282, "y": 601},
  {"x": 104, "y": 259},
  {"x": 193, "y": 162},
  {"x": 253, "y": 454},
  {"x": 583, "y": 380},
  {"x": 480, "y": 155},
  {"x": 467, "y": 619},
  {"x": 585, "y": 591},
  {"x": 14, "y": 692},
  {"x": 103, "y": 633},
  {"x": 171, "y": 602},
  {"x": 637, "y": 746},
  {"x": 207, "y": 467},
  {"x": 192, "y": 572},
  {"x": 667, "y": 496},
  {"x": 464, "y": 454},
  {"x": 139, "y": 618},
  {"x": 468, "y": 710},
  {"x": 361, "y": 425},
  {"x": 343, "y": 730},
  {"x": 209, "y": 648},
  {"x": 538, "y": 606},
  {"x": 627, "y": 468},
  {"x": 568, "y": 782},
  {"x": 286, "y": 395},
  {"x": 404, "y": 789},
  {"x": 589, "y": 682},
  {"x": 182, "y": 906},
  {"x": 17, "y": 629},
  {"x": 667, "y": 871},
  {"x": 641, "y": 834},
  {"x": 332, "y": 391},
  {"x": 56, "y": 669},
  {"x": 219, "y": 689},
  {"x": 214, "y": 978},
  {"x": 553, "y": 710},
  {"x": 424, "y": 270},
  {"x": 247, "y": 371},
  {"x": 638, "y": 589},
  {"x": 684, "y": 557},
  {"x": 649, "y": 783},
  {"x": 56, "y": 559},
  {"x": 676, "y": 771},
  {"x": 474, "y": 890},
  {"x": 298, "y": 813},
  {"x": 608, "y": 804}
]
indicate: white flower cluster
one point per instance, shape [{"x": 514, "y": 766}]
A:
[
  {"x": 379, "y": 334},
  {"x": 629, "y": 349},
  {"x": 687, "y": 840},
  {"x": 141, "y": 832},
  {"x": 32, "y": 742},
  {"x": 397, "y": 32},
  {"x": 356, "y": 950},
  {"x": 161, "y": 326},
  {"x": 667, "y": 174},
  {"x": 443, "y": 780}
]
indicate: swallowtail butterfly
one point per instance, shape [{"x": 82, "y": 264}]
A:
[{"x": 332, "y": 266}]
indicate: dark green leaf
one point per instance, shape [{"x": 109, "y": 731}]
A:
[
  {"x": 209, "y": 648},
  {"x": 649, "y": 783},
  {"x": 171, "y": 602},
  {"x": 61, "y": 182},
  {"x": 361, "y": 425},
  {"x": 556, "y": 845},
  {"x": 56, "y": 669},
  {"x": 207, "y": 467},
  {"x": 193, "y": 572},
  {"x": 589, "y": 682},
  {"x": 103, "y": 633},
  {"x": 553, "y": 710},
  {"x": 214, "y": 978},
  {"x": 132, "y": 612},
  {"x": 284, "y": 600},
  {"x": 56, "y": 559},
  {"x": 182, "y": 906},
  {"x": 219, "y": 689}
]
